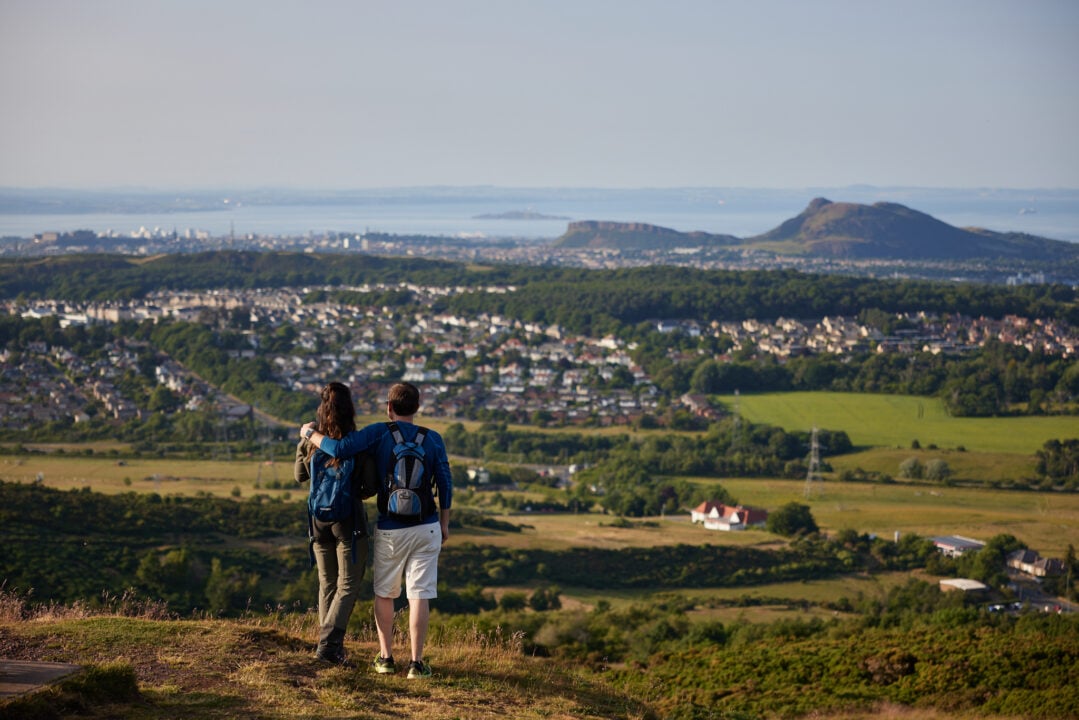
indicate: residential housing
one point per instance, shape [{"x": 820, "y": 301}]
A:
[
  {"x": 715, "y": 515},
  {"x": 1031, "y": 563}
]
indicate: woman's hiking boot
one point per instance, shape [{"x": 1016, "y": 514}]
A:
[
  {"x": 331, "y": 646},
  {"x": 334, "y": 656}
]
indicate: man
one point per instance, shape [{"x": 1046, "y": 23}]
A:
[{"x": 404, "y": 545}]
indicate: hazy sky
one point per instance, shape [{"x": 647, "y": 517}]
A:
[{"x": 597, "y": 93}]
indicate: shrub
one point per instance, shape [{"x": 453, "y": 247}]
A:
[
  {"x": 513, "y": 601},
  {"x": 545, "y": 598},
  {"x": 911, "y": 468},
  {"x": 791, "y": 519},
  {"x": 937, "y": 469}
]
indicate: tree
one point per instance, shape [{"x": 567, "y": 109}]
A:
[
  {"x": 172, "y": 577},
  {"x": 937, "y": 469},
  {"x": 706, "y": 378},
  {"x": 545, "y": 598},
  {"x": 1058, "y": 460},
  {"x": 196, "y": 426},
  {"x": 1071, "y": 569},
  {"x": 911, "y": 468},
  {"x": 513, "y": 601},
  {"x": 989, "y": 564},
  {"x": 792, "y": 519},
  {"x": 163, "y": 400},
  {"x": 459, "y": 473},
  {"x": 229, "y": 588}
]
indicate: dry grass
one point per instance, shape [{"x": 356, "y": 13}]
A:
[
  {"x": 207, "y": 669},
  {"x": 167, "y": 476},
  {"x": 889, "y": 711},
  {"x": 263, "y": 667},
  {"x": 563, "y": 531}
]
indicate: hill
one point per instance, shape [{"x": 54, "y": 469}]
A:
[
  {"x": 890, "y": 230},
  {"x": 152, "y": 667},
  {"x": 635, "y": 236},
  {"x": 139, "y": 664},
  {"x": 837, "y": 229}
]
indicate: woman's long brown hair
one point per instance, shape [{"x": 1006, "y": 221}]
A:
[{"x": 336, "y": 415}]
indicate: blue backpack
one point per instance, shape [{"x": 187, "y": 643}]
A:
[
  {"x": 333, "y": 496},
  {"x": 406, "y": 493},
  {"x": 330, "y": 497}
]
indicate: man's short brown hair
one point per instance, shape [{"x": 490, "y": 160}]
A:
[{"x": 404, "y": 398}]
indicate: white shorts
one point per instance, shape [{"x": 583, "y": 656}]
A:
[{"x": 411, "y": 553}]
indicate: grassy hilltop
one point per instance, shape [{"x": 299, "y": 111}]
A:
[
  {"x": 150, "y": 668},
  {"x": 142, "y": 666}
]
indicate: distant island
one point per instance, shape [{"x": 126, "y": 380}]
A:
[
  {"x": 519, "y": 215},
  {"x": 636, "y": 236},
  {"x": 838, "y": 230}
]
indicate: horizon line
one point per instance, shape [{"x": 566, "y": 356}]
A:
[{"x": 444, "y": 186}]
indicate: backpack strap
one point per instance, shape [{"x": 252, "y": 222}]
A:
[
  {"x": 310, "y": 518},
  {"x": 395, "y": 430},
  {"x": 421, "y": 435},
  {"x": 354, "y": 533}
]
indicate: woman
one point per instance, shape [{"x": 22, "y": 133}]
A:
[{"x": 339, "y": 546}]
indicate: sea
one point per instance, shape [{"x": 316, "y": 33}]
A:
[{"x": 535, "y": 214}]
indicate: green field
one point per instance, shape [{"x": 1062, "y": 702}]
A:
[
  {"x": 897, "y": 420},
  {"x": 965, "y": 467}
]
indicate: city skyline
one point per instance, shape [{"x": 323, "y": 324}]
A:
[{"x": 119, "y": 93}]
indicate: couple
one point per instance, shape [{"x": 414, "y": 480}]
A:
[{"x": 401, "y": 548}]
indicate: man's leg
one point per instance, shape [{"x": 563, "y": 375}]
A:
[
  {"x": 421, "y": 581},
  {"x": 384, "y": 623},
  {"x": 419, "y": 612}
]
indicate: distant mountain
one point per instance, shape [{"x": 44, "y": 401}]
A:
[
  {"x": 849, "y": 230},
  {"x": 635, "y": 236},
  {"x": 889, "y": 230}
]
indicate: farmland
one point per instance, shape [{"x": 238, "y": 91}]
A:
[
  {"x": 897, "y": 420},
  {"x": 1048, "y": 521}
]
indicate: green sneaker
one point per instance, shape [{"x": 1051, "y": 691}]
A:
[
  {"x": 418, "y": 669},
  {"x": 384, "y": 666}
]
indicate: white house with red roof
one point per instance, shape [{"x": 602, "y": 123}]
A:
[{"x": 715, "y": 515}]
